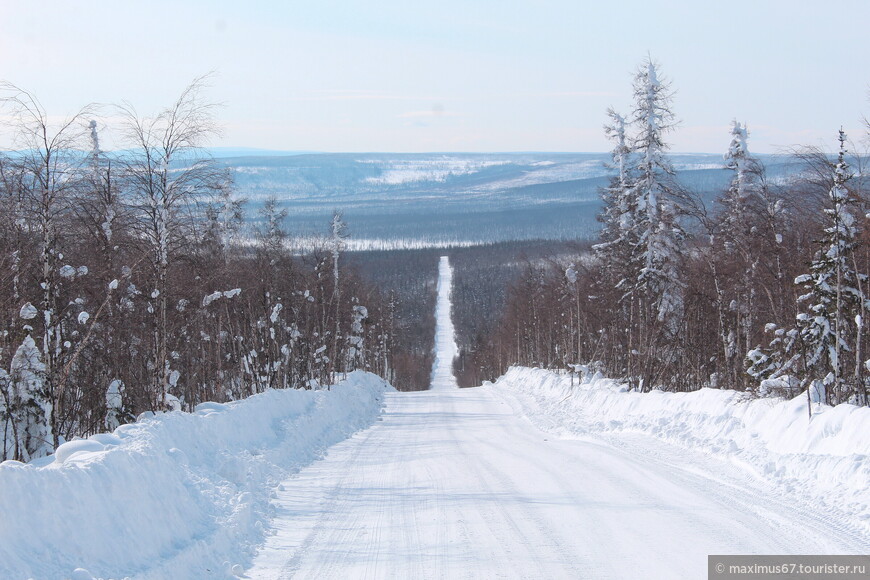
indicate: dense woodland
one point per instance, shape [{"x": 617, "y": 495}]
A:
[
  {"x": 765, "y": 290},
  {"x": 409, "y": 279},
  {"x": 482, "y": 278},
  {"x": 129, "y": 282}
]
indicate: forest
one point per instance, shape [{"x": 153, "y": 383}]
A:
[
  {"x": 763, "y": 291},
  {"x": 130, "y": 284}
]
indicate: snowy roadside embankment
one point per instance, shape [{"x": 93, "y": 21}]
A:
[
  {"x": 180, "y": 495},
  {"x": 825, "y": 460}
]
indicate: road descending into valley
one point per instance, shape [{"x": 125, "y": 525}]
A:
[{"x": 454, "y": 483}]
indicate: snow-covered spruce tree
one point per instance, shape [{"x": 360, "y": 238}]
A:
[
  {"x": 617, "y": 250},
  {"x": 619, "y": 204},
  {"x": 30, "y": 404},
  {"x": 661, "y": 204},
  {"x": 734, "y": 256},
  {"x": 835, "y": 296},
  {"x": 735, "y": 201},
  {"x": 823, "y": 351},
  {"x": 117, "y": 412}
]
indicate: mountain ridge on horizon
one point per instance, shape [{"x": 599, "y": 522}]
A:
[{"x": 455, "y": 197}]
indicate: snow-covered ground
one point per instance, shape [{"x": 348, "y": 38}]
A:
[
  {"x": 445, "y": 339},
  {"x": 180, "y": 495},
  {"x": 456, "y": 484},
  {"x": 821, "y": 462}
]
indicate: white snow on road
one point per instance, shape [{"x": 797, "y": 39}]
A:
[
  {"x": 453, "y": 484},
  {"x": 457, "y": 483},
  {"x": 445, "y": 340}
]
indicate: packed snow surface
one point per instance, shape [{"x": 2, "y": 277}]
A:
[
  {"x": 179, "y": 495},
  {"x": 445, "y": 341},
  {"x": 459, "y": 484}
]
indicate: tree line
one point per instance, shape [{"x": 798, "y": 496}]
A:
[
  {"x": 130, "y": 283},
  {"x": 765, "y": 290}
]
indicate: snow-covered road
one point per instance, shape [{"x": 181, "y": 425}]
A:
[
  {"x": 458, "y": 484},
  {"x": 445, "y": 340}
]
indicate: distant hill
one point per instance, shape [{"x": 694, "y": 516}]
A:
[
  {"x": 223, "y": 152},
  {"x": 423, "y": 199}
]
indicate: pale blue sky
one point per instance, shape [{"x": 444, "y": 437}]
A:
[{"x": 451, "y": 75}]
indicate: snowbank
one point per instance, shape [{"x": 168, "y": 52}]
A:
[
  {"x": 825, "y": 460},
  {"x": 180, "y": 495}
]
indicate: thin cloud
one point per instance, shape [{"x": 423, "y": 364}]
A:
[
  {"x": 357, "y": 95},
  {"x": 575, "y": 94},
  {"x": 434, "y": 112}
]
